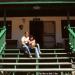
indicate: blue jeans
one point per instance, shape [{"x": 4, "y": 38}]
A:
[
  {"x": 37, "y": 52},
  {"x": 38, "y": 46},
  {"x": 26, "y": 47}
]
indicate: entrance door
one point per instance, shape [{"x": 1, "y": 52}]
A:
[
  {"x": 36, "y": 29},
  {"x": 49, "y": 34}
]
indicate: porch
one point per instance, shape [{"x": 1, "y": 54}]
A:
[{"x": 35, "y": 18}]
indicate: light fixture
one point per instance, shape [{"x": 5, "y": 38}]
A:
[{"x": 36, "y": 7}]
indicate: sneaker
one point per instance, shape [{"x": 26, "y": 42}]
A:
[
  {"x": 30, "y": 56},
  {"x": 40, "y": 52},
  {"x": 38, "y": 57},
  {"x": 26, "y": 52}
]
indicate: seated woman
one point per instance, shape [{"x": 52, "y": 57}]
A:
[
  {"x": 33, "y": 45},
  {"x": 24, "y": 41}
]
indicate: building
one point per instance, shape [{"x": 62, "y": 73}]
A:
[{"x": 47, "y": 20}]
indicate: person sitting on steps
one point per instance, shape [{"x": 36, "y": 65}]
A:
[
  {"x": 25, "y": 45},
  {"x": 34, "y": 45}
]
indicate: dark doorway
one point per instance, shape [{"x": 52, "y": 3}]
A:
[{"x": 36, "y": 29}]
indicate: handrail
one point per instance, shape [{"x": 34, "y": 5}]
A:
[
  {"x": 71, "y": 32},
  {"x": 2, "y": 31},
  {"x": 2, "y": 38},
  {"x": 71, "y": 38}
]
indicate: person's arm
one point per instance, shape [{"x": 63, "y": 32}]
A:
[
  {"x": 22, "y": 41},
  {"x": 32, "y": 43}
]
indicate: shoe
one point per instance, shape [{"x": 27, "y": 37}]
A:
[
  {"x": 26, "y": 52},
  {"x": 30, "y": 56},
  {"x": 40, "y": 52},
  {"x": 38, "y": 57}
]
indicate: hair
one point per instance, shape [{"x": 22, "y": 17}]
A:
[
  {"x": 31, "y": 36},
  {"x": 26, "y": 32}
]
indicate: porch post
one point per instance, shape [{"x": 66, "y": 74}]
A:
[
  {"x": 68, "y": 18},
  {"x": 4, "y": 11},
  {"x": 4, "y": 17},
  {"x": 37, "y": 66}
]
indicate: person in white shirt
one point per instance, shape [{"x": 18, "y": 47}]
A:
[{"x": 25, "y": 41}]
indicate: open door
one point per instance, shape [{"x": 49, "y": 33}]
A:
[{"x": 36, "y": 29}]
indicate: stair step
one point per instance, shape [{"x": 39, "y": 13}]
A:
[
  {"x": 41, "y": 55},
  {"x": 32, "y": 53},
  {"x": 25, "y": 56},
  {"x": 38, "y": 70},
  {"x": 34, "y": 58},
  {"x": 43, "y": 73},
  {"x": 33, "y": 65},
  {"x": 51, "y": 60},
  {"x": 36, "y": 63},
  {"x": 40, "y": 49}
]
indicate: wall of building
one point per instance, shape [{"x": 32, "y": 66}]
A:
[{"x": 16, "y": 21}]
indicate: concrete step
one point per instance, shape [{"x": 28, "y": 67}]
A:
[
  {"x": 42, "y": 56},
  {"x": 33, "y": 54},
  {"x": 36, "y": 58},
  {"x": 58, "y": 63},
  {"x": 33, "y": 65},
  {"x": 43, "y": 73},
  {"x": 51, "y": 60},
  {"x": 37, "y": 70},
  {"x": 44, "y": 59},
  {"x": 42, "y": 50}
]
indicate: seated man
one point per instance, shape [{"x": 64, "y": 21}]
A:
[
  {"x": 33, "y": 45},
  {"x": 24, "y": 41}
]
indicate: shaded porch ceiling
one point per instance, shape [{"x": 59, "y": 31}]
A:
[{"x": 51, "y": 9}]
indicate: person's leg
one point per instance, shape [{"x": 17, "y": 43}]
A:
[
  {"x": 36, "y": 52},
  {"x": 27, "y": 49},
  {"x": 38, "y": 46}
]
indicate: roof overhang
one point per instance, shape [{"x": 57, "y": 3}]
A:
[
  {"x": 54, "y": 7},
  {"x": 39, "y": 2}
]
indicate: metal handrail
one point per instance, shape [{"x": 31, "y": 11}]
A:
[
  {"x": 71, "y": 38},
  {"x": 2, "y": 39}
]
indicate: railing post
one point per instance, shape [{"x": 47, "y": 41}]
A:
[
  {"x": 4, "y": 17},
  {"x": 37, "y": 66},
  {"x": 13, "y": 73},
  {"x": 62, "y": 73}
]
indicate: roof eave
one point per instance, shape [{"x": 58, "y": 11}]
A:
[{"x": 38, "y": 2}]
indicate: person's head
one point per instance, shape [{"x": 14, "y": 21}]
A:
[
  {"x": 26, "y": 34},
  {"x": 31, "y": 37}
]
